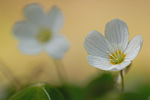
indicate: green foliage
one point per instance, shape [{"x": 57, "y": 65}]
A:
[
  {"x": 72, "y": 92},
  {"x": 142, "y": 93},
  {"x": 38, "y": 92},
  {"x": 112, "y": 95},
  {"x": 6, "y": 92},
  {"x": 54, "y": 93},
  {"x": 145, "y": 91},
  {"x": 99, "y": 86},
  {"x": 131, "y": 96}
]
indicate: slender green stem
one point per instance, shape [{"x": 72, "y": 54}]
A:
[
  {"x": 58, "y": 70},
  {"x": 9, "y": 75},
  {"x": 122, "y": 81},
  {"x": 65, "y": 76}
]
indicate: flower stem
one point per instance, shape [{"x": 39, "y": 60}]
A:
[
  {"x": 122, "y": 81},
  {"x": 9, "y": 75},
  {"x": 64, "y": 70},
  {"x": 60, "y": 72}
]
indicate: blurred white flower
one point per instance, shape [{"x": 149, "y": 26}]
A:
[
  {"x": 40, "y": 32},
  {"x": 112, "y": 52}
]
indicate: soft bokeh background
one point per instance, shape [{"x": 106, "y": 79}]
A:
[{"x": 81, "y": 17}]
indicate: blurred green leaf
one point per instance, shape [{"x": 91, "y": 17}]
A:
[
  {"x": 131, "y": 96},
  {"x": 38, "y": 92},
  {"x": 72, "y": 92},
  {"x": 145, "y": 91},
  {"x": 99, "y": 86},
  {"x": 6, "y": 92},
  {"x": 54, "y": 93},
  {"x": 113, "y": 95}
]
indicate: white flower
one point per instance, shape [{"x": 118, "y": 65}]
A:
[
  {"x": 40, "y": 32},
  {"x": 112, "y": 52}
]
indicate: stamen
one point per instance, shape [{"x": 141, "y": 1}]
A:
[
  {"x": 118, "y": 52},
  {"x": 117, "y": 57},
  {"x": 112, "y": 50},
  {"x": 110, "y": 55},
  {"x": 44, "y": 35}
]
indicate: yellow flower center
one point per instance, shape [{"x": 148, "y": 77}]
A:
[
  {"x": 117, "y": 57},
  {"x": 44, "y": 35}
]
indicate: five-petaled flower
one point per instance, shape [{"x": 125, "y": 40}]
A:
[
  {"x": 112, "y": 52},
  {"x": 40, "y": 32}
]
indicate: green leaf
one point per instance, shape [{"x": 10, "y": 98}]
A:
[
  {"x": 113, "y": 95},
  {"x": 145, "y": 91},
  {"x": 54, "y": 93},
  {"x": 6, "y": 92},
  {"x": 100, "y": 86},
  {"x": 38, "y": 92},
  {"x": 131, "y": 96},
  {"x": 72, "y": 92}
]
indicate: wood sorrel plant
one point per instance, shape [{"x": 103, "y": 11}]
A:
[{"x": 112, "y": 52}]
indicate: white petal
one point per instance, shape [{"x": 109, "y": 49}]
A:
[
  {"x": 57, "y": 47},
  {"x": 104, "y": 64},
  {"x": 30, "y": 47},
  {"x": 133, "y": 47},
  {"x": 96, "y": 44},
  {"x": 24, "y": 30},
  {"x": 56, "y": 19},
  {"x": 35, "y": 14},
  {"x": 116, "y": 31},
  {"x": 99, "y": 62},
  {"x": 120, "y": 66}
]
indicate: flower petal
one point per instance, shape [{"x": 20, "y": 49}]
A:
[
  {"x": 56, "y": 19},
  {"x": 96, "y": 45},
  {"x": 104, "y": 64},
  {"x": 99, "y": 62},
  {"x": 24, "y": 30},
  {"x": 57, "y": 47},
  {"x": 133, "y": 47},
  {"x": 35, "y": 14},
  {"x": 120, "y": 66},
  {"x": 30, "y": 47},
  {"x": 116, "y": 31}
]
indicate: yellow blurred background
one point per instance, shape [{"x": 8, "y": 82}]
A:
[{"x": 81, "y": 17}]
